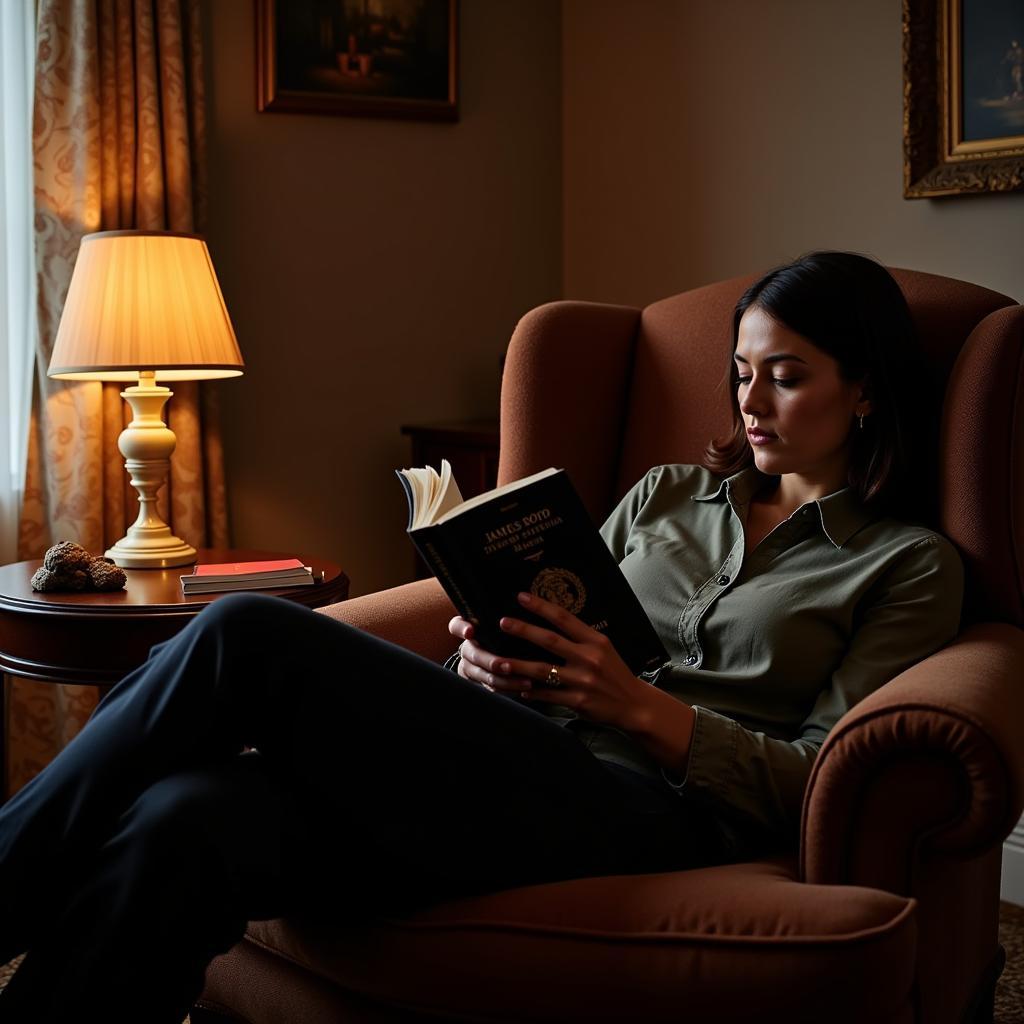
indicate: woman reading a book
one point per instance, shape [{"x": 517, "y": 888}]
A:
[{"x": 269, "y": 761}]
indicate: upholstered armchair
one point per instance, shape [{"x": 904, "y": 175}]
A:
[{"x": 888, "y": 908}]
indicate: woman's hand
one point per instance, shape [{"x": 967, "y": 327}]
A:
[
  {"x": 594, "y": 681},
  {"x": 475, "y": 664}
]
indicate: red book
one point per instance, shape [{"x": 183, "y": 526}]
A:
[
  {"x": 285, "y": 572},
  {"x": 246, "y": 570}
]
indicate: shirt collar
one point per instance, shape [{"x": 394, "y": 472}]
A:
[
  {"x": 738, "y": 489},
  {"x": 840, "y": 514}
]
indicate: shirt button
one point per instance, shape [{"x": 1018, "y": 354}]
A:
[
  {"x": 691, "y": 660},
  {"x": 806, "y": 512},
  {"x": 722, "y": 580}
]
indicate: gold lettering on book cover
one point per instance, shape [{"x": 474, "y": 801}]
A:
[
  {"x": 562, "y": 587},
  {"x": 521, "y": 535}
]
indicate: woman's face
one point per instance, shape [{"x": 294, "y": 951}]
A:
[{"x": 796, "y": 407}]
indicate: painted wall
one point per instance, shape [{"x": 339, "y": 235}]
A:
[
  {"x": 374, "y": 271},
  {"x": 712, "y": 138}
]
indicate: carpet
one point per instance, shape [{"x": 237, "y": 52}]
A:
[
  {"x": 1009, "y": 990},
  {"x": 1010, "y": 987}
]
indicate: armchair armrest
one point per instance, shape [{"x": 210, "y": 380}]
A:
[
  {"x": 414, "y": 616},
  {"x": 931, "y": 763}
]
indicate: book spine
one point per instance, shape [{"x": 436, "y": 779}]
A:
[{"x": 452, "y": 589}]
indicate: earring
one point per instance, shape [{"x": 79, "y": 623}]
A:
[{"x": 860, "y": 419}]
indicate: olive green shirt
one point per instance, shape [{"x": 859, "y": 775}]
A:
[{"x": 771, "y": 647}]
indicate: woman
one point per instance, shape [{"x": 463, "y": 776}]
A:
[
  {"x": 776, "y": 576},
  {"x": 786, "y": 591}
]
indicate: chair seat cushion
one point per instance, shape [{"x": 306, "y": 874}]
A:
[{"x": 731, "y": 943}]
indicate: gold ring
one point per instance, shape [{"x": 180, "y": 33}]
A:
[{"x": 552, "y": 679}]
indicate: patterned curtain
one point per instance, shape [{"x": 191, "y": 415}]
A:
[{"x": 118, "y": 142}]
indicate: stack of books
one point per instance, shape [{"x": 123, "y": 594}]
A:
[{"x": 287, "y": 572}]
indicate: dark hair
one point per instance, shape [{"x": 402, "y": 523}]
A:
[{"x": 851, "y": 308}]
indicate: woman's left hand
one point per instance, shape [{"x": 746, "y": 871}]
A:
[{"x": 594, "y": 681}]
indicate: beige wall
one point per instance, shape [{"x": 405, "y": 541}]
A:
[
  {"x": 709, "y": 138},
  {"x": 374, "y": 271}
]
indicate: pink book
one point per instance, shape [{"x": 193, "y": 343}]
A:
[
  {"x": 286, "y": 572},
  {"x": 234, "y": 570}
]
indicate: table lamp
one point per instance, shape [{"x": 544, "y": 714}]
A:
[{"x": 144, "y": 305}]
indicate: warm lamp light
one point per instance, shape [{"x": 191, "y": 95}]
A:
[{"x": 144, "y": 305}]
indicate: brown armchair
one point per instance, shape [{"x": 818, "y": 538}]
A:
[{"x": 889, "y": 909}]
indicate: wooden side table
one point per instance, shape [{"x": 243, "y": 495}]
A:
[
  {"x": 98, "y": 638},
  {"x": 471, "y": 446}
]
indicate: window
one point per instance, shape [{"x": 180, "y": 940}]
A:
[{"x": 17, "y": 259}]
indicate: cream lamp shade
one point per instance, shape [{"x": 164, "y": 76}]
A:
[
  {"x": 145, "y": 306},
  {"x": 144, "y": 300}
]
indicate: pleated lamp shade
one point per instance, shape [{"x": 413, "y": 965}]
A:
[{"x": 144, "y": 300}]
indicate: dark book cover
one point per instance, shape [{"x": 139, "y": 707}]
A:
[{"x": 538, "y": 538}]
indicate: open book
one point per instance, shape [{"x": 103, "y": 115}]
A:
[{"x": 535, "y": 535}]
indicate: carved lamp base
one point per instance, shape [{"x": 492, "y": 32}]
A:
[{"x": 147, "y": 443}]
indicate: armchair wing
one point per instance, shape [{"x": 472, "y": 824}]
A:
[{"x": 565, "y": 395}]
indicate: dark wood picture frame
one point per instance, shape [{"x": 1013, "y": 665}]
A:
[
  {"x": 325, "y": 91},
  {"x": 937, "y": 159}
]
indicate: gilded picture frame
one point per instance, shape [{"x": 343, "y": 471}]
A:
[
  {"x": 963, "y": 105},
  {"x": 358, "y": 58}
]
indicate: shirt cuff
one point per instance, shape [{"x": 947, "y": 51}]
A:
[{"x": 712, "y": 758}]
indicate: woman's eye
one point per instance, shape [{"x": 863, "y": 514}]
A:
[{"x": 782, "y": 382}]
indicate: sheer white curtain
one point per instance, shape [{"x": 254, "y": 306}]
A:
[{"x": 17, "y": 261}]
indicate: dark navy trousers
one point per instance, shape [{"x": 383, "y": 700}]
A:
[{"x": 269, "y": 761}]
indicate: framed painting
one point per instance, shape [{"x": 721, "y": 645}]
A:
[
  {"x": 963, "y": 97},
  {"x": 362, "y": 58}
]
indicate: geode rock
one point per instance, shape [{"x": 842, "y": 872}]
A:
[{"x": 68, "y": 566}]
